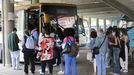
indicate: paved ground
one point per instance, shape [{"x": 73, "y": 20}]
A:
[{"x": 84, "y": 68}]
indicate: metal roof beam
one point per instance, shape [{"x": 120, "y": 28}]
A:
[
  {"x": 91, "y": 5},
  {"x": 117, "y": 5}
]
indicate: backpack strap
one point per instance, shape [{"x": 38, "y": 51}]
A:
[
  {"x": 26, "y": 35},
  {"x": 69, "y": 40},
  {"x": 25, "y": 38},
  {"x": 29, "y": 36}
]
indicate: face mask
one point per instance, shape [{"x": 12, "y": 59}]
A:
[
  {"x": 121, "y": 34},
  {"x": 113, "y": 33}
]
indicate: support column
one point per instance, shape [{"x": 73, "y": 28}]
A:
[
  {"x": 97, "y": 24},
  {"x": 105, "y": 26},
  {"x": 8, "y": 6},
  {"x": 89, "y": 23},
  {"x": 34, "y": 1}
]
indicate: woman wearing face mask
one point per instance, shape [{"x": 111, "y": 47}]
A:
[
  {"x": 116, "y": 51},
  {"x": 124, "y": 51},
  {"x": 101, "y": 42}
]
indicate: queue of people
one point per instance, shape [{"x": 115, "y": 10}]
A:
[
  {"x": 113, "y": 50},
  {"x": 112, "y": 45},
  {"x": 49, "y": 45}
]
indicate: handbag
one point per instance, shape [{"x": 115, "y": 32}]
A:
[{"x": 96, "y": 49}]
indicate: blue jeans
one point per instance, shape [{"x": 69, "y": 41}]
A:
[
  {"x": 101, "y": 64},
  {"x": 116, "y": 67},
  {"x": 70, "y": 61}
]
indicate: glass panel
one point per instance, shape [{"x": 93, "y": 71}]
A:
[
  {"x": 93, "y": 23},
  {"x": 101, "y": 23},
  {"x": 108, "y": 23}
]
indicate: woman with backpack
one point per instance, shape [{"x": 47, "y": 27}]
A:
[
  {"x": 29, "y": 53},
  {"x": 69, "y": 60}
]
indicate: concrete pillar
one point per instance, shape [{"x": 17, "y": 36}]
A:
[
  {"x": 8, "y": 26},
  {"x": 34, "y": 1},
  {"x": 105, "y": 28},
  {"x": 97, "y": 24},
  {"x": 2, "y": 25},
  {"x": 89, "y": 23}
]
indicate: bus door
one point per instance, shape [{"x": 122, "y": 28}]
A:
[
  {"x": 59, "y": 16},
  {"x": 32, "y": 18}
]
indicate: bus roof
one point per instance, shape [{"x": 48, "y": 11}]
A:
[{"x": 43, "y": 4}]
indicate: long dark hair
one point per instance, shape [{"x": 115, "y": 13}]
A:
[
  {"x": 48, "y": 29},
  {"x": 117, "y": 32},
  {"x": 59, "y": 32},
  {"x": 69, "y": 32},
  {"x": 93, "y": 34}
]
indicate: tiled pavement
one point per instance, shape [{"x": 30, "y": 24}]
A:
[{"x": 84, "y": 67}]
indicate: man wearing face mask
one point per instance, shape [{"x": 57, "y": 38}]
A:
[{"x": 100, "y": 58}]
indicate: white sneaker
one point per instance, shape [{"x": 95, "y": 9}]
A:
[
  {"x": 42, "y": 73},
  {"x": 60, "y": 72},
  {"x": 55, "y": 65},
  {"x": 46, "y": 69},
  {"x": 125, "y": 71}
]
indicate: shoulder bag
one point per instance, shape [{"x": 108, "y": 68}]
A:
[{"x": 96, "y": 49}]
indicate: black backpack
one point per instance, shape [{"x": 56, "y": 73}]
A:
[
  {"x": 71, "y": 48},
  {"x": 74, "y": 49}
]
